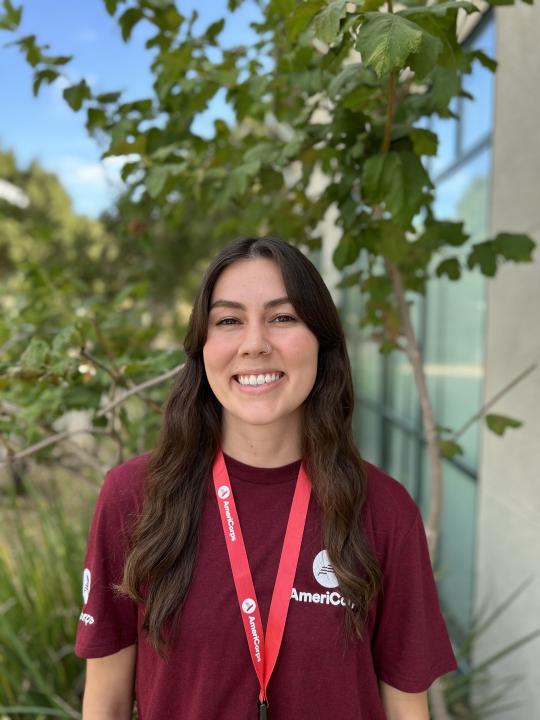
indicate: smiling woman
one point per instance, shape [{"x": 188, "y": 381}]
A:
[
  {"x": 261, "y": 418},
  {"x": 253, "y": 565}
]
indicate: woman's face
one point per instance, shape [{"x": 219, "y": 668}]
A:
[{"x": 238, "y": 338}]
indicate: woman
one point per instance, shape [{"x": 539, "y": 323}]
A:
[{"x": 256, "y": 455}]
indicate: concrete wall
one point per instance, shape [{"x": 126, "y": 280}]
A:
[{"x": 508, "y": 539}]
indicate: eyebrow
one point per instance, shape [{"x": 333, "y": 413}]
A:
[{"x": 239, "y": 306}]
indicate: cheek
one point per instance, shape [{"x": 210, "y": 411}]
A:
[
  {"x": 212, "y": 351},
  {"x": 305, "y": 357}
]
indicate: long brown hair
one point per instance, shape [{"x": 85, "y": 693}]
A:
[{"x": 165, "y": 538}]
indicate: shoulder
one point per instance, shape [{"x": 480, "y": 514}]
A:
[
  {"x": 389, "y": 511},
  {"x": 123, "y": 486}
]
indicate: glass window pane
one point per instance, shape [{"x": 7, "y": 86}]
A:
[
  {"x": 402, "y": 459},
  {"x": 446, "y": 130},
  {"x": 366, "y": 368},
  {"x": 455, "y": 563},
  {"x": 367, "y": 431},
  {"x": 454, "y": 344}
]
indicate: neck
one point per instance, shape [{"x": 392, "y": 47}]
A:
[{"x": 260, "y": 445}]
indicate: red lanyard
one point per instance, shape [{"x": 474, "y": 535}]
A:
[{"x": 264, "y": 648}]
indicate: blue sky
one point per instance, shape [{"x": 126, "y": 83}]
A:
[{"x": 45, "y": 128}]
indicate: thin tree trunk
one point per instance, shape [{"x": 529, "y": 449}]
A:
[{"x": 428, "y": 421}]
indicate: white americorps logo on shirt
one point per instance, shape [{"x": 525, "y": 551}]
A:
[
  {"x": 223, "y": 492},
  {"x": 249, "y": 605},
  {"x": 325, "y": 576},
  {"x": 86, "y": 583},
  {"x": 323, "y": 570}
]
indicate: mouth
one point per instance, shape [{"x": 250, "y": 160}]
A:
[
  {"x": 258, "y": 380},
  {"x": 263, "y": 387}
]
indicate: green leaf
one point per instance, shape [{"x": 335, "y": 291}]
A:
[
  {"x": 75, "y": 95},
  {"x": 424, "y": 141},
  {"x": 281, "y": 7},
  {"x": 488, "y": 62},
  {"x": 328, "y": 21},
  {"x": 449, "y": 267},
  {"x": 67, "y": 338},
  {"x": 35, "y": 355},
  {"x": 111, "y": 6},
  {"x": 31, "y": 48},
  {"x": 48, "y": 76},
  {"x": 353, "y": 75},
  {"x": 443, "y": 232},
  {"x": 509, "y": 246},
  {"x": 213, "y": 30},
  {"x": 440, "y": 22},
  {"x": 158, "y": 175},
  {"x": 299, "y": 20},
  {"x": 155, "y": 180},
  {"x": 11, "y": 18},
  {"x": 128, "y": 20},
  {"x": 440, "y": 8},
  {"x": 423, "y": 61},
  {"x": 398, "y": 179},
  {"x": 345, "y": 252},
  {"x": 515, "y": 246},
  {"x": 350, "y": 280},
  {"x": 393, "y": 244},
  {"x": 100, "y": 421},
  {"x": 126, "y": 147},
  {"x": 485, "y": 256},
  {"x": 96, "y": 117},
  {"x": 262, "y": 152},
  {"x": 168, "y": 20},
  {"x": 499, "y": 423},
  {"x": 56, "y": 59},
  {"x": 449, "y": 448},
  {"x": 110, "y": 97},
  {"x": 237, "y": 182},
  {"x": 445, "y": 84},
  {"x": 386, "y": 41}
]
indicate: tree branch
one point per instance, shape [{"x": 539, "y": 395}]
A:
[
  {"x": 139, "y": 388},
  {"x": 483, "y": 410},
  {"x": 57, "y": 437}
]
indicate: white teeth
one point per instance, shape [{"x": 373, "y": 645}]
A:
[{"x": 258, "y": 379}]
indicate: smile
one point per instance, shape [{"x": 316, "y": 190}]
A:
[{"x": 258, "y": 383}]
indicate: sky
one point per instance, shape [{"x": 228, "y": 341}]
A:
[{"x": 46, "y": 129}]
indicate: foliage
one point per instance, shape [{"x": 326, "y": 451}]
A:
[
  {"x": 89, "y": 309},
  {"x": 41, "y": 545},
  {"x": 460, "y": 687},
  {"x": 43, "y": 227}
]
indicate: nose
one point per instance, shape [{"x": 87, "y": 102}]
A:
[{"x": 254, "y": 339}]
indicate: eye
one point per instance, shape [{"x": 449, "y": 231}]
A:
[{"x": 288, "y": 317}]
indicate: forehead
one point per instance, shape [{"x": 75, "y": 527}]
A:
[{"x": 253, "y": 280}]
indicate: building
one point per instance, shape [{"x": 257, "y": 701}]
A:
[{"x": 477, "y": 336}]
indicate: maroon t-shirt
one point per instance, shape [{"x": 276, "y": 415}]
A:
[{"x": 320, "y": 673}]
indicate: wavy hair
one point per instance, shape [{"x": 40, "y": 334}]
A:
[{"x": 164, "y": 542}]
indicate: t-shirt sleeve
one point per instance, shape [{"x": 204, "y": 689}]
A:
[
  {"x": 411, "y": 647},
  {"x": 108, "y": 621}
]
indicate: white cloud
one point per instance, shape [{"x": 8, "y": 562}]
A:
[
  {"x": 104, "y": 173},
  {"x": 13, "y": 194}
]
